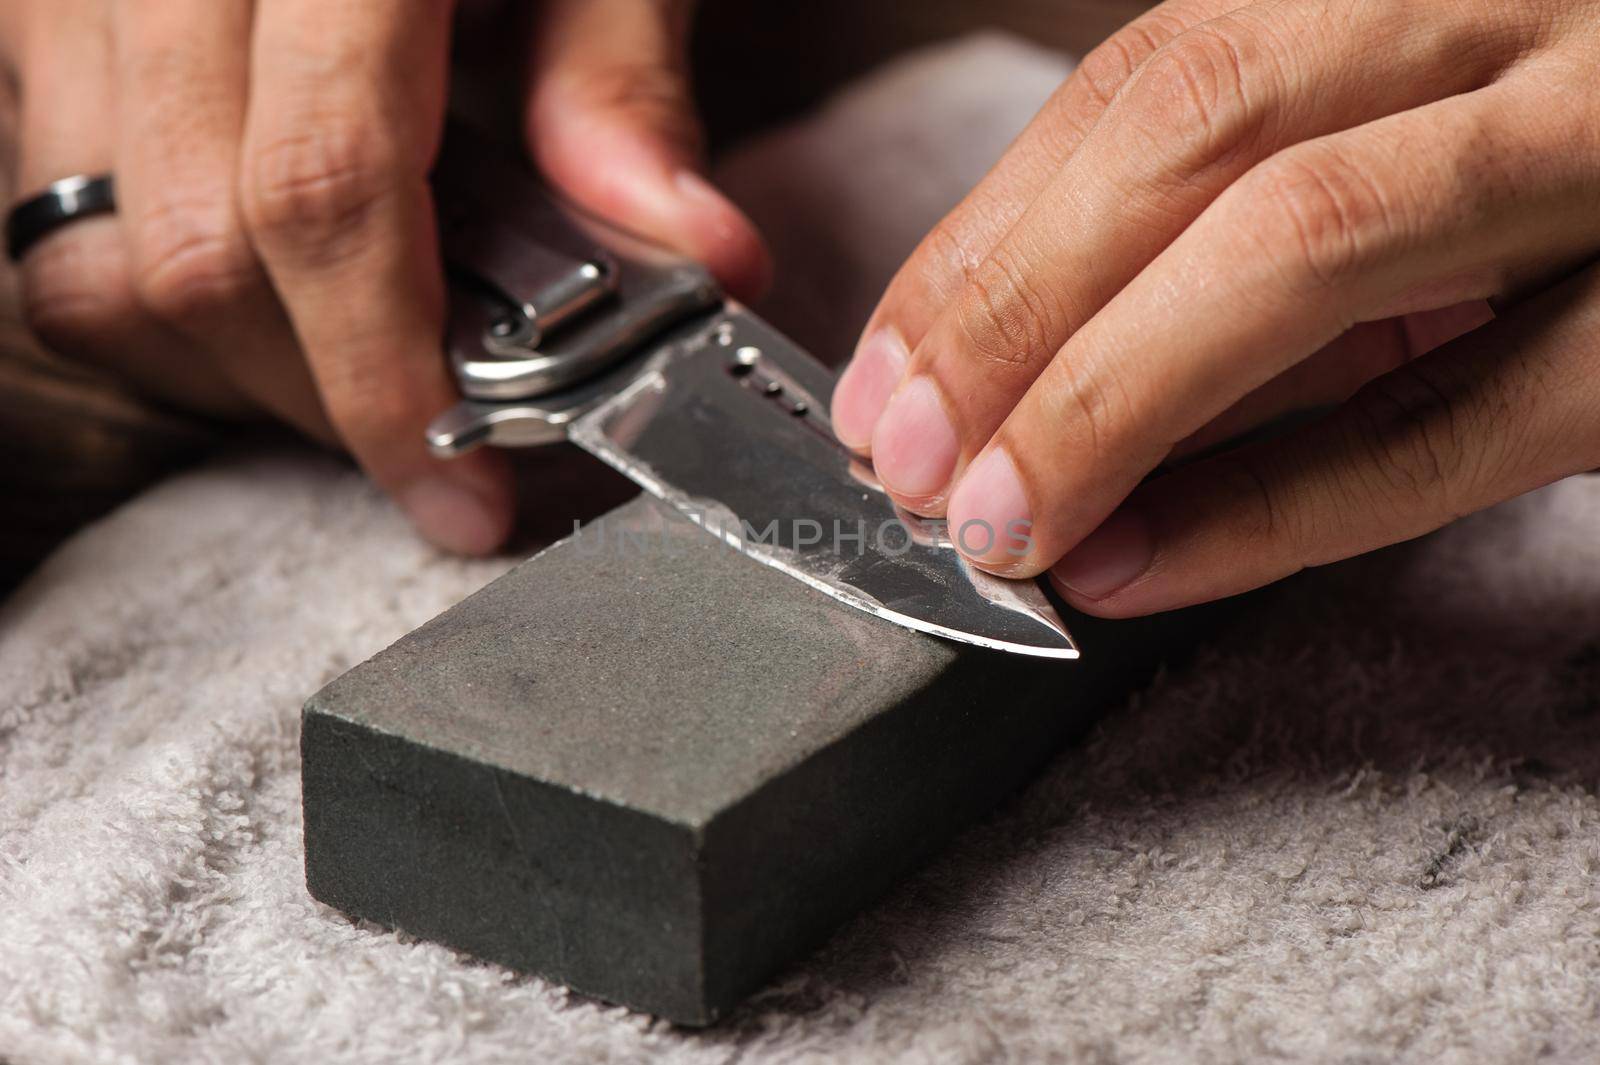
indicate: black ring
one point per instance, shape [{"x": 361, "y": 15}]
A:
[{"x": 67, "y": 200}]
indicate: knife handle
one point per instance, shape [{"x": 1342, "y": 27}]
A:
[{"x": 543, "y": 295}]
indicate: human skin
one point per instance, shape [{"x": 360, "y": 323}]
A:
[
  {"x": 274, "y": 251},
  {"x": 1232, "y": 211}
]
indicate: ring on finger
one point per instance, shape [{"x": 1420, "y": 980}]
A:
[{"x": 60, "y": 204}]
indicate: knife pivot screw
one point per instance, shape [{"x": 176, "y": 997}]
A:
[{"x": 503, "y": 326}]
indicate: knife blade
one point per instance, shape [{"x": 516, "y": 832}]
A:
[{"x": 730, "y": 427}]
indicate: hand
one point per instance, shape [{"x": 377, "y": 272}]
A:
[
  {"x": 274, "y": 248},
  {"x": 1230, "y": 211}
]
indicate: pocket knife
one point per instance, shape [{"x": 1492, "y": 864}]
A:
[{"x": 564, "y": 328}]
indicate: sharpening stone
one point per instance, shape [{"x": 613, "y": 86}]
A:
[{"x": 657, "y": 771}]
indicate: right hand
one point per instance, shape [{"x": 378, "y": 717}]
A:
[{"x": 274, "y": 249}]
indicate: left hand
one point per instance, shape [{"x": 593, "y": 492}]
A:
[
  {"x": 1234, "y": 210},
  {"x": 273, "y": 252}
]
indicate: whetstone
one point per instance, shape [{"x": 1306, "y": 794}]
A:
[{"x": 657, "y": 771}]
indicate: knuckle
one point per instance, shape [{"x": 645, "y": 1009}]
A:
[
  {"x": 1263, "y": 519},
  {"x": 1107, "y": 68},
  {"x": 946, "y": 258},
  {"x": 1194, "y": 95},
  {"x": 191, "y": 260},
  {"x": 650, "y": 95},
  {"x": 1412, "y": 435},
  {"x": 1319, "y": 215},
  {"x": 322, "y": 180},
  {"x": 1006, "y": 315},
  {"x": 1088, "y": 409},
  {"x": 73, "y": 298}
]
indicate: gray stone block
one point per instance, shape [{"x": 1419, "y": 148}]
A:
[{"x": 658, "y": 771}]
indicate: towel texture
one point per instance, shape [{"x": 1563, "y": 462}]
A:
[{"x": 1360, "y": 826}]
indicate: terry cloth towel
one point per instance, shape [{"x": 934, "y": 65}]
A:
[{"x": 1361, "y": 826}]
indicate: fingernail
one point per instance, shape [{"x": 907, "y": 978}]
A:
[
  {"x": 914, "y": 447},
  {"x": 1108, "y": 558},
  {"x": 990, "y": 520},
  {"x": 454, "y": 517},
  {"x": 866, "y": 385}
]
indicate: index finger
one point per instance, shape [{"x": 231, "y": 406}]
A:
[
  {"x": 345, "y": 114},
  {"x": 944, "y": 262}
]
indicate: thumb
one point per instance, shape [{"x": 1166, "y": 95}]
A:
[{"x": 611, "y": 123}]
